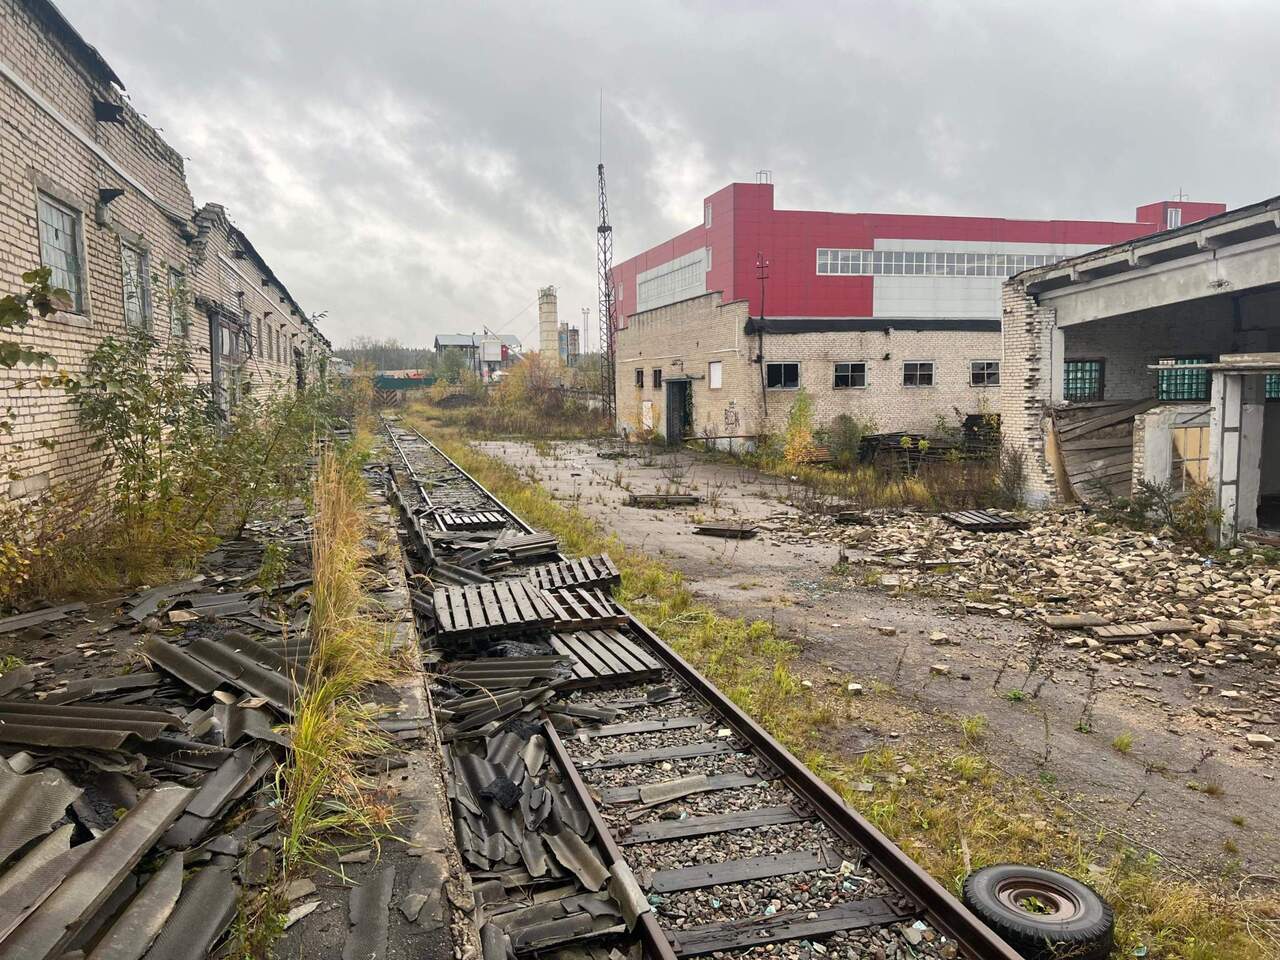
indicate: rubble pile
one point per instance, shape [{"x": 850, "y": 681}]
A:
[{"x": 1112, "y": 594}]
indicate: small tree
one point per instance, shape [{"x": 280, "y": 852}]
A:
[{"x": 799, "y": 446}]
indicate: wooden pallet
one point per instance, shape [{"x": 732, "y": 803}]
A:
[
  {"x": 984, "y": 521},
  {"x": 480, "y": 520},
  {"x": 604, "y": 657},
  {"x": 584, "y": 608},
  {"x": 597, "y": 571},
  {"x": 494, "y": 609}
]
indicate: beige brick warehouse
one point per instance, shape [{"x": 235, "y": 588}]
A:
[{"x": 897, "y": 375}]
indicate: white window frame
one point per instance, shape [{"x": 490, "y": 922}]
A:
[
  {"x": 715, "y": 374},
  {"x": 933, "y": 374},
  {"x": 984, "y": 383},
  {"x": 1172, "y": 218},
  {"x": 835, "y": 372},
  {"x": 76, "y": 250}
]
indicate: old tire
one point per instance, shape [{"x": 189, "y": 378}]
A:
[{"x": 1042, "y": 914}]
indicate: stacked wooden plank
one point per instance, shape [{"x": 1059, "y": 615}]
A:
[
  {"x": 486, "y": 611},
  {"x": 525, "y": 546},
  {"x": 583, "y": 608},
  {"x": 663, "y": 500},
  {"x": 604, "y": 657},
  {"x": 1095, "y": 444},
  {"x": 597, "y": 571},
  {"x": 984, "y": 521}
]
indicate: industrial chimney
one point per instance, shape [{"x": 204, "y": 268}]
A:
[{"x": 548, "y": 325}]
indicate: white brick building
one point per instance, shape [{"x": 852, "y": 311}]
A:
[{"x": 91, "y": 190}]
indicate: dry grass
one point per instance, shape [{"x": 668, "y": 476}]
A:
[
  {"x": 945, "y": 803},
  {"x": 324, "y": 795}
]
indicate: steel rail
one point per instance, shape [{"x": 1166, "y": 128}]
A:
[{"x": 942, "y": 910}]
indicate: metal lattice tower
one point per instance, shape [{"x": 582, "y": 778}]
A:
[{"x": 608, "y": 308}]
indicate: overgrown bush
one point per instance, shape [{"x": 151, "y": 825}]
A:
[
  {"x": 798, "y": 443},
  {"x": 844, "y": 439},
  {"x": 1011, "y": 474}
]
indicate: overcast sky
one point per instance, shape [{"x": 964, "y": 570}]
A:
[{"x": 417, "y": 168}]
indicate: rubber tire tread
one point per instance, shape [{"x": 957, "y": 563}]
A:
[{"x": 1089, "y": 937}]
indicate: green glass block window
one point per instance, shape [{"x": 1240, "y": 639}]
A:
[
  {"x": 1082, "y": 380},
  {"x": 1271, "y": 388},
  {"x": 1180, "y": 383}
]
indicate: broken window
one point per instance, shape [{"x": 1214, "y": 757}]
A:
[
  {"x": 782, "y": 376},
  {"x": 917, "y": 373},
  {"x": 639, "y": 376},
  {"x": 850, "y": 375},
  {"x": 984, "y": 373},
  {"x": 1190, "y": 457},
  {"x": 60, "y": 246},
  {"x": 1180, "y": 381},
  {"x": 1082, "y": 380},
  {"x": 176, "y": 291},
  {"x": 657, "y": 377},
  {"x": 133, "y": 271},
  {"x": 715, "y": 374}
]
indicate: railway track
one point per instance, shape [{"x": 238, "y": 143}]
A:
[{"x": 607, "y": 798}]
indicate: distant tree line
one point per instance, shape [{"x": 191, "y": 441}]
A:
[{"x": 388, "y": 354}]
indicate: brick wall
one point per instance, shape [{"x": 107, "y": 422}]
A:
[
  {"x": 685, "y": 338},
  {"x": 38, "y": 153},
  {"x": 51, "y": 144},
  {"x": 1026, "y": 384}
]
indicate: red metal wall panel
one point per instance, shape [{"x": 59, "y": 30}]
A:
[{"x": 745, "y": 223}]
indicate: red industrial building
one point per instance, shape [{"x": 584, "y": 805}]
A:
[{"x": 863, "y": 264}]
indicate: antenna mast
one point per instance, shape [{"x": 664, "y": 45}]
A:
[{"x": 608, "y": 308}]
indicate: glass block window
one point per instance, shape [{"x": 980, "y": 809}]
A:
[
  {"x": 133, "y": 272},
  {"x": 782, "y": 376},
  {"x": 60, "y": 247},
  {"x": 1271, "y": 386},
  {"x": 984, "y": 373},
  {"x": 1190, "y": 457},
  {"x": 850, "y": 375},
  {"x": 917, "y": 373},
  {"x": 1180, "y": 382},
  {"x": 1082, "y": 380}
]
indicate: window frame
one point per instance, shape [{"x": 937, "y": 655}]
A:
[
  {"x": 640, "y": 377},
  {"x": 783, "y": 378},
  {"x": 706, "y": 214},
  {"x": 835, "y": 375},
  {"x": 716, "y": 382},
  {"x": 1204, "y": 377},
  {"x": 179, "y": 321},
  {"x": 79, "y": 298},
  {"x": 1101, "y": 380},
  {"x": 919, "y": 365},
  {"x": 987, "y": 381},
  {"x": 1178, "y": 473},
  {"x": 144, "y": 285},
  {"x": 657, "y": 378}
]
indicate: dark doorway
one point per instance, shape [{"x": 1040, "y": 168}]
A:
[{"x": 679, "y": 410}]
